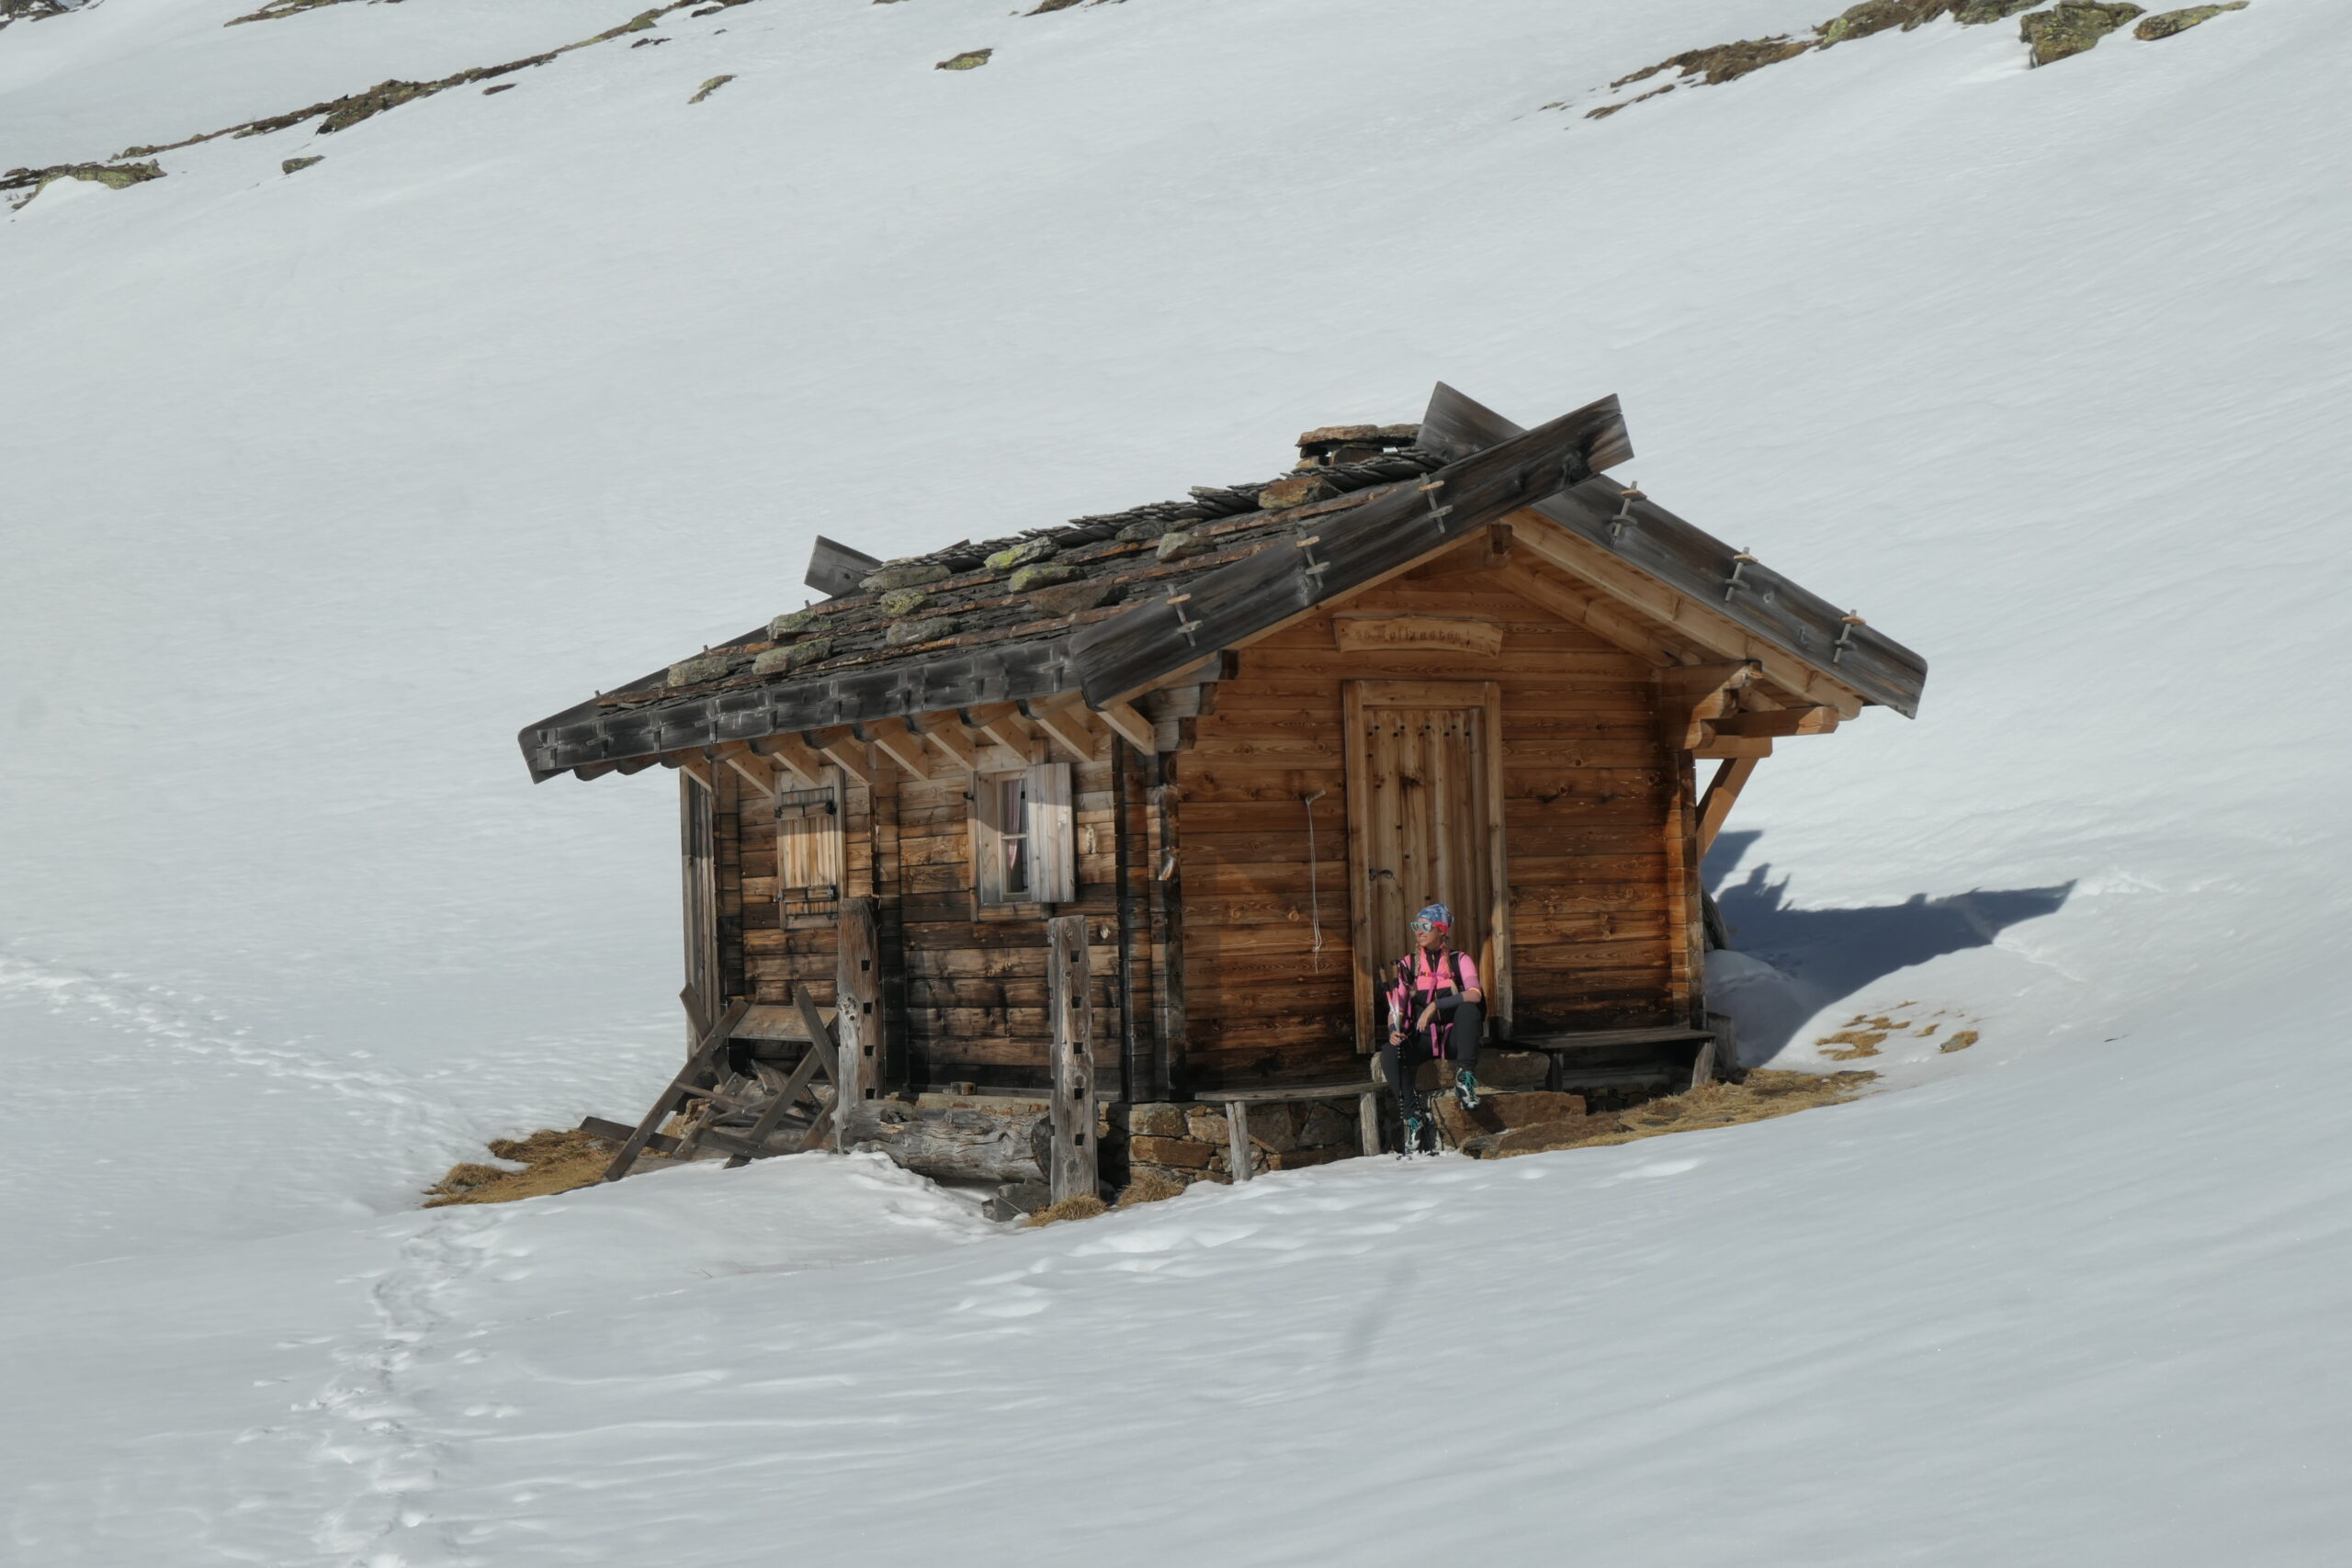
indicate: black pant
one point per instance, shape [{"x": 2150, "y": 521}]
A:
[{"x": 1399, "y": 1062}]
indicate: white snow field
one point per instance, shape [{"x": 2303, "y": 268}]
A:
[{"x": 315, "y": 488}]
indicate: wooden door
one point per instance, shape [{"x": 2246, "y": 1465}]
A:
[{"x": 1425, "y": 826}]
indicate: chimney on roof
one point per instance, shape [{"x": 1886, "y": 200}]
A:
[{"x": 1336, "y": 444}]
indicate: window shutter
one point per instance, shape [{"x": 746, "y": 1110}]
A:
[
  {"x": 809, "y": 842},
  {"x": 1053, "y": 847}
]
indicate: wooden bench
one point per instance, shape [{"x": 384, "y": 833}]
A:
[
  {"x": 1238, "y": 1101},
  {"x": 1563, "y": 1048}
]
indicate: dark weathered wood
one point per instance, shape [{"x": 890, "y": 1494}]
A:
[
  {"x": 1164, "y": 868},
  {"x": 835, "y": 570},
  {"x": 967, "y": 1143},
  {"x": 1237, "y": 1139},
  {"x": 857, "y": 1019},
  {"x": 1124, "y": 654},
  {"x": 797, "y": 1083},
  {"x": 701, "y": 1064},
  {"x": 1074, "y": 1166}
]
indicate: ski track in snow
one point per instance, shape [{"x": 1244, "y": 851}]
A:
[
  {"x": 376, "y": 1431},
  {"x": 185, "y": 1025}
]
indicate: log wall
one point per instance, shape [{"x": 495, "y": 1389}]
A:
[
  {"x": 1595, "y": 819},
  {"x": 964, "y": 988}
]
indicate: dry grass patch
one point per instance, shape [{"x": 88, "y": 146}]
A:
[
  {"x": 1959, "y": 1042},
  {"x": 551, "y": 1161},
  {"x": 1764, "y": 1095},
  {"x": 1076, "y": 1206},
  {"x": 1149, "y": 1187}
]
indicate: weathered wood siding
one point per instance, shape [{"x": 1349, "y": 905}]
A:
[
  {"x": 964, "y": 992},
  {"x": 1595, "y": 819}
]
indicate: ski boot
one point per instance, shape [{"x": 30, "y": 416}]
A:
[
  {"x": 1416, "y": 1128},
  {"x": 1466, "y": 1087}
]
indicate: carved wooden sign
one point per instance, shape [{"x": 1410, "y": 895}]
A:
[{"x": 1373, "y": 632}]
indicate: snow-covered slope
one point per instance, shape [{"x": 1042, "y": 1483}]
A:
[{"x": 316, "y": 486}]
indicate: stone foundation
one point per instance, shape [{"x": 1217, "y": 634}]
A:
[{"x": 1186, "y": 1142}]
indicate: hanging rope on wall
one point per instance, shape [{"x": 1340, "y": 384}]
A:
[{"x": 1314, "y": 885}]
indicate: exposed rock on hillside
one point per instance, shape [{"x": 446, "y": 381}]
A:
[
  {"x": 2164, "y": 24},
  {"x": 2072, "y": 27},
  {"x": 114, "y": 177}
]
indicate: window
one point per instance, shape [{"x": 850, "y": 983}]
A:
[
  {"x": 809, "y": 846},
  {"x": 1022, "y": 837}
]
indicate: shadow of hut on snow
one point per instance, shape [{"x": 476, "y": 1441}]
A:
[{"x": 1816, "y": 956}]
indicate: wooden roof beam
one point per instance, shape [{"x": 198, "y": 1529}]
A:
[
  {"x": 756, "y": 770},
  {"x": 1779, "y": 722},
  {"x": 901, "y": 745},
  {"x": 946, "y": 731},
  {"x": 841, "y": 747},
  {"x": 1597, "y": 615},
  {"x": 1718, "y": 633},
  {"x": 797, "y": 756},
  {"x": 1068, "y": 725},
  {"x": 694, "y": 764},
  {"x": 1002, "y": 724},
  {"x": 1131, "y": 726},
  {"x": 1689, "y": 695}
]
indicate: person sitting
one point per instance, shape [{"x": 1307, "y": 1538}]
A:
[{"x": 1435, "y": 1010}]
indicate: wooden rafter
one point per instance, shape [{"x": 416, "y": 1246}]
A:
[
  {"x": 1068, "y": 726},
  {"x": 1690, "y": 696},
  {"x": 1721, "y": 636},
  {"x": 1598, "y": 615},
  {"x": 796, "y": 754},
  {"x": 901, "y": 745},
  {"x": 1002, "y": 724},
  {"x": 756, "y": 770},
  {"x": 1123, "y": 718},
  {"x": 946, "y": 731},
  {"x": 842, "y": 748}
]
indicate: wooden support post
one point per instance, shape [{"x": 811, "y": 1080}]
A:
[
  {"x": 1167, "y": 881},
  {"x": 1723, "y": 790},
  {"x": 1069, "y": 1000},
  {"x": 857, "y": 1015},
  {"x": 1237, "y": 1138},
  {"x": 1368, "y": 1121},
  {"x": 1124, "y": 719}
]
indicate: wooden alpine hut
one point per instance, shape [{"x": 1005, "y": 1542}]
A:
[{"x": 1038, "y": 859}]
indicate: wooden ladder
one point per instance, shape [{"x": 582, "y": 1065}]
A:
[{"x": 712, "y": 1086}]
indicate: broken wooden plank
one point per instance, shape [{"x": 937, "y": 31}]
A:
[{"x": 700, "y": 1063}]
